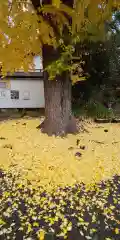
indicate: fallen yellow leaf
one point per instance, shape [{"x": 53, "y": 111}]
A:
[
  {"x": 41, "y": 235},
  {"x": 117, "y": 231}
]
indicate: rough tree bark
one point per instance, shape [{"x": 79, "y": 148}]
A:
[
  {"x": 58, "y": 114},
  {"x": 58, "y": 110}
]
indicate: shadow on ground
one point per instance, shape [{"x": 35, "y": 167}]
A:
[
  {"x": 16, "y": 114},
  {"x": 74, "y": 213}
]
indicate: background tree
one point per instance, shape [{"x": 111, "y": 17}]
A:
[
  {"x": 26, "y": 31},
  {"x": 95, "y": 70},
  {"x": 102, "y": 64}
]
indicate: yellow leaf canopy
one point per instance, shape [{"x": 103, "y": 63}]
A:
[{"x": 23, "y": 31}]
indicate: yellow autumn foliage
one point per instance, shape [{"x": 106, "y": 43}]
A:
[
  {"x": 23, "y": 32},
  {"x": 41, "y": 235},
  {"x": 56, "y": 3},
  {"x": 50, "y": 162}
]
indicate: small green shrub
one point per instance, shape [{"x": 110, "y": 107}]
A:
[
  {"x": 79, "y": 111},
  {"x": 93, "y": 109},
  {"x": 96, "y": 109}
]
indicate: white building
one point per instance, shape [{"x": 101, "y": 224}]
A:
[{"x": 23, "y": 90}]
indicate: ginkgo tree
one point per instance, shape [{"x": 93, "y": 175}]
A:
[{"x": 51, "y": 28}]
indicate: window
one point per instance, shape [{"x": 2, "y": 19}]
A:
[
  {"x": 2, "y": 94},
  {"x": 26, "y": 95},
  {"x": 3, "y": 85},
  {"x": 14, "y": 94}
]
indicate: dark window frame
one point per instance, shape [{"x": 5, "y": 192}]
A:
[{"x": 14, "y": 94}]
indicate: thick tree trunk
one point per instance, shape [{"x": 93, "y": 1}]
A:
[{"x": 58, "y": 114}]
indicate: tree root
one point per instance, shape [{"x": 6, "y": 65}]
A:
[{"x": 51, "y": 129}]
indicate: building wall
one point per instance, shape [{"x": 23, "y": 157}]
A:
[{"x": 29, "y": 93}]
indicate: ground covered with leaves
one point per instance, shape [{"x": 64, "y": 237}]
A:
[
  {"x": 66, "y": 213},
  {"x": 54, "y": 162},
  {"x": 61, "y": 187}
]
